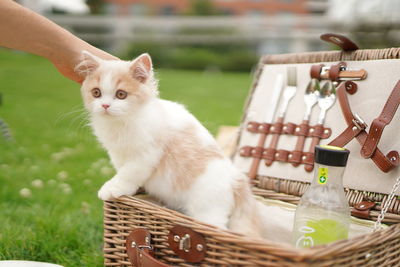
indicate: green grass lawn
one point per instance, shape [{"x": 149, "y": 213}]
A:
[{"x": 58, "y": 164}]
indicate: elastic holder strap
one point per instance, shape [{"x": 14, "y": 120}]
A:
[
  {"x": 252, "y": 126},
  {"x": 302, "y": 130},
  {"x": 289, "y": 128},
  {"x": 295, "y": 156},
  {"x": 276, "y": 128},
  {"x": 282, "y": 155}
]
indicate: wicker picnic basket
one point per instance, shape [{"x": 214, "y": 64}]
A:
[{"x": 138, "y": 232}]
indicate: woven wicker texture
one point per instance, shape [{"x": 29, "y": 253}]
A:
[
  {"x": 381, "y": 248},
  {"x": 228, "y": 249},
  {"x": 313, "y": 57}
]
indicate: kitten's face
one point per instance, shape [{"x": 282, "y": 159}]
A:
[{"x": 116, "y": 88}]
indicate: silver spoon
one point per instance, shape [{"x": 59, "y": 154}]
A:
[
  {"x": 310, "y": 99},
  {"x": 326, "y": 99}
]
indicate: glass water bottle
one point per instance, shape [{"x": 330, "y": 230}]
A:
[{"x": 323, "y": 214}]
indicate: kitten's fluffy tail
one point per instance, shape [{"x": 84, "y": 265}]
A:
[
  {"x": 253, "y": 218},
  {"x": 247, "y": 216}
]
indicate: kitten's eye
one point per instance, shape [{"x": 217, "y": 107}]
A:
[
  {"x": 96, "y": 92},
  {"x": 121, "y": 94}
]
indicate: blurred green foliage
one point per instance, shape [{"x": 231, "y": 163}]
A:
[{"x": 233, "y": 57}]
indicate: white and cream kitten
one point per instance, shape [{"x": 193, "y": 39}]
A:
[{"x": 157, "y": 144}]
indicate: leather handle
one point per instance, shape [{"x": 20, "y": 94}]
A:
[
  {"x": 340, "y": 40},
  {"x": 146, "y": 260}
]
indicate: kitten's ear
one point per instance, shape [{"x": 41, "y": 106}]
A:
[
  {"x": 88, "y": 64},
  {"x": 142, "y": 67}
]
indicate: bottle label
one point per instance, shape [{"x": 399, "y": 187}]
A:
[
  {"x": 322, "y": 175},
  {"x": 318, "y": 232},
  {"x": 305, "y": 241}
]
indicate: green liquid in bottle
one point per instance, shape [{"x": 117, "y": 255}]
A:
[{"x": 323, "y": 213}]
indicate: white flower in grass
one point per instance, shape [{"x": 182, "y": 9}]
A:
[
  {"x": 67, "y": 190},
  {"x": 51, "y": 182},
  {"x": 62, "y": 175},
  {"x": 37, "y": 183},
  {"x": 34, "y": 168},
  {"x": 107, "y": 171},
  {"x": 25, "y": 192},
  {"x": 57, "y": 156},
  {"x": 85, "y": 207},
  {"x": 45, "y": 146},
  {"x": 64, "y": 185},
  {"x": 87, "y": 182},
  {"x": 91, "y": 172}
]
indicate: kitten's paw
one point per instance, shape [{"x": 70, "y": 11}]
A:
[{"x": 112, "y": 189}]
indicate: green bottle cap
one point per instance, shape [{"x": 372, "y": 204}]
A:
[{"x": 331, "y": 155}]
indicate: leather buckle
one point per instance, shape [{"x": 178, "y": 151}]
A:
[{"x": 359, "y": 122}]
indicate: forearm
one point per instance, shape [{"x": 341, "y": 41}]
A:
[{"x": 22, "y": 29}]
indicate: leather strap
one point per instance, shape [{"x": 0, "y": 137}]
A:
[
  {"x": 138, "y": 248},
  {"x": 186, "y": 243},
  {"x": 303, "y": 129},
  {"x": 315, "y": 71},
  {"x": 356, "y": 129},
  {"x": 377, "y": 126},
  {"x": 340, "y": 40},
  {"x": 363, "y": 209},
  {"x": 274, "y": 143}
]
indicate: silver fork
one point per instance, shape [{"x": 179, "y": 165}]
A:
[
  {"x": 288, "y": 94},
  {"x": 326, "y": 99},
  {"x": 310, "y": 99}
]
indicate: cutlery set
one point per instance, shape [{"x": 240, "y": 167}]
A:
[{"x": 321, "y": 92}]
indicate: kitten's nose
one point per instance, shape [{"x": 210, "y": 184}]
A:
[{"x": 105, "y": 106}]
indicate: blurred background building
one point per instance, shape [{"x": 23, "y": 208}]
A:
[{"x": 228, "y": 34}]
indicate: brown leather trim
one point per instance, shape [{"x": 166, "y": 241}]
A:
[
  {"x": 378, "y": 125},
  {"x": 295, "y": 157},
  {"x": 289, "y": 128},
  {"x": 187, "y": 244},
  {"x": 256, "y": 162},
  {"x": 276, "y": 128},
  {"x": 340, "y": 40},
  {"x": 269, "y": 154},
  {"x": 282, "y": 155},
  {"x": 302, "y": 129},
  {"x": 315, "y": 71},
  {"x": 252, "y": 126},
  {"x": 138, "y": 248},
  {"x": 308, "y": 158},
  {"x": 147, "y": 260},
  {"x": 362, "y": 209},
  {"x": 334, "y": 71},
  {"x": 264, "y": 128},
  {"x": 256, "y": 127},
  {"x": 384, "y": 163},
  {"x": 245, "y": 151},
  {"x": 346, "y": 136}
]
